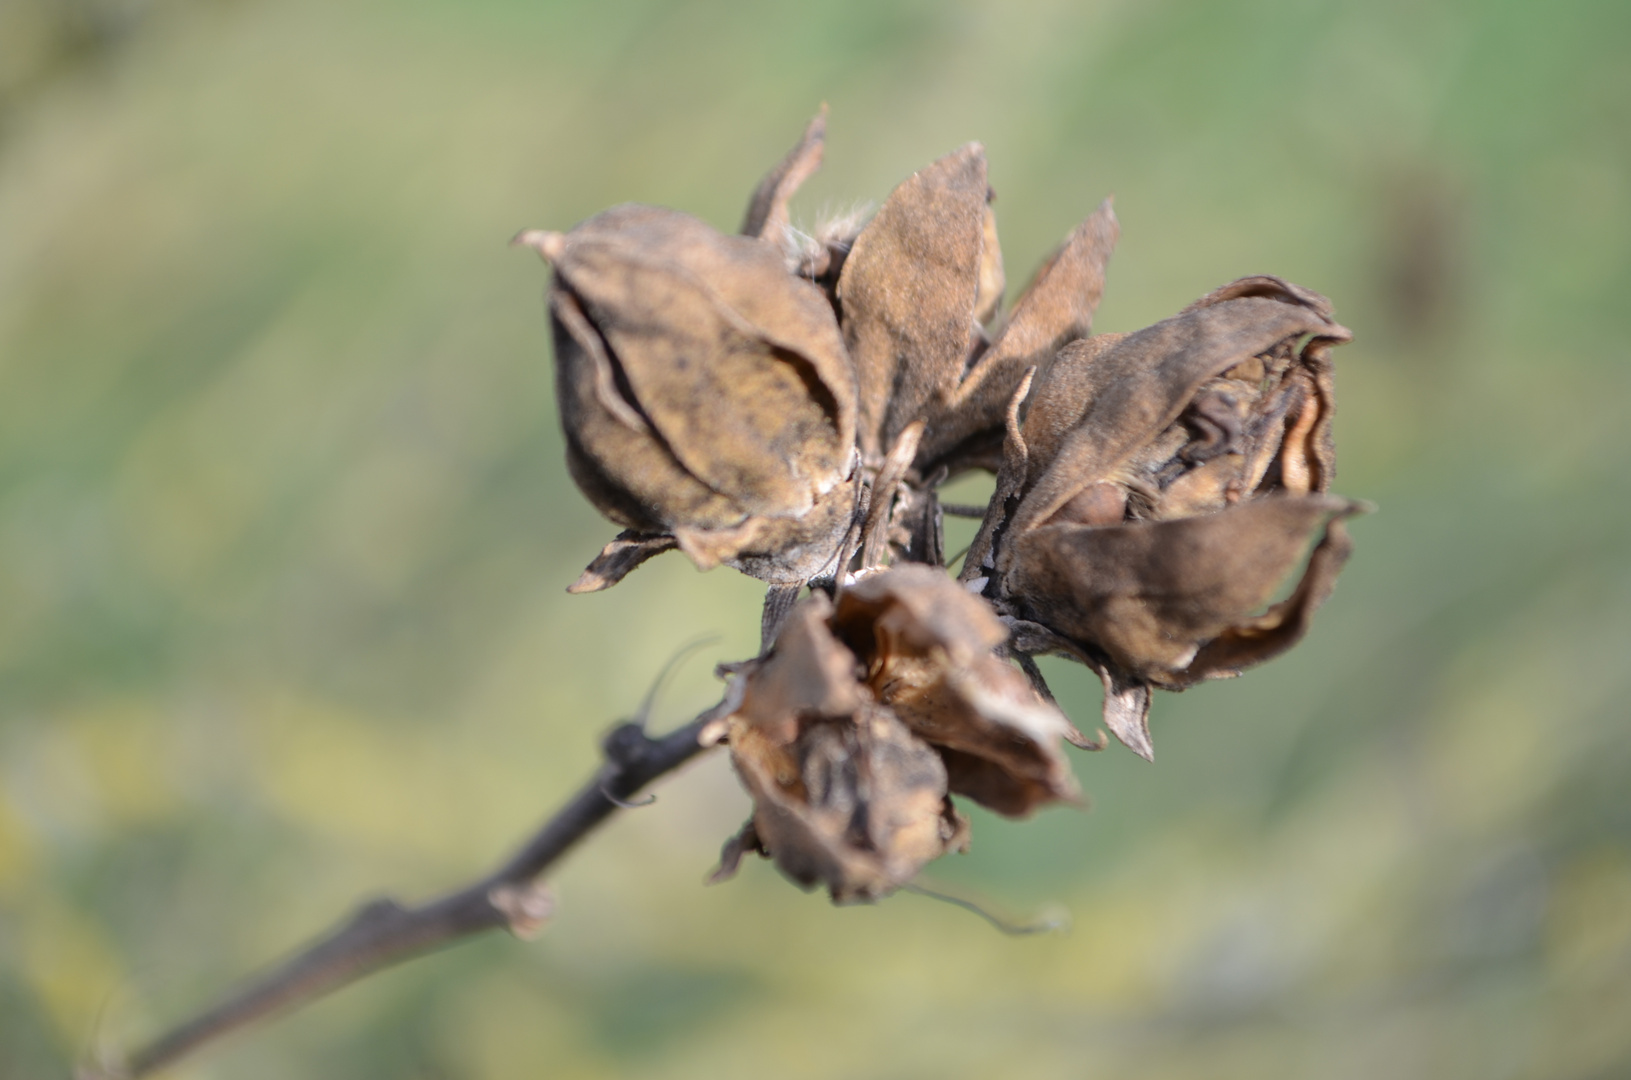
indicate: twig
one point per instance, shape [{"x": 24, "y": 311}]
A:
[
  {"x": 385, "y": 932},
  {"x": 962, "y": 510}
]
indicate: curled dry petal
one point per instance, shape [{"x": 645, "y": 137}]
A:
[
  {"x": 1107, "y": 401},
  {"x": 705, "y": 392},
  {"x": 925, "y": 646},
  {"x": 1175, "y": 602}
]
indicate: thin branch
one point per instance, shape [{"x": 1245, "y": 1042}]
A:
[
  {"x": 384, "y": 932},
  {"x": 962, "y": 510}
]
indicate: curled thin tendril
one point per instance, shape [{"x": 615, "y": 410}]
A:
[
  {"x": 1047, "y": 923},
  {"x": 662, "y": 679}
]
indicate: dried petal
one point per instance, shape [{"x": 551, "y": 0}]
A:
[
  {"x": 849, "y": 732},
  {"x": 844, "y": 795},
  {"x": 917, "y": 609},
  {"x": 926, "y": 647},
  {"x": 1253, "y": 641},
  {"x": 808, "y": 674},
  {"x": 1153, "y": 595},
  {"x": 908, "y": 294},
  {"x": 856, "y": 805}
]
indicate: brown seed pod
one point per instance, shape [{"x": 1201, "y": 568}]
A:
[
  {"x": 844, "y": 795},
  {"x": 853, "y": 729},
  {"x": 705, "y": 394},
  {"x": 1161, "y": 487}
]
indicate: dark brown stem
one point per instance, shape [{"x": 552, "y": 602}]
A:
[
  {"x": 963, "y": 510},
  {"x": 385, "y": 932}
]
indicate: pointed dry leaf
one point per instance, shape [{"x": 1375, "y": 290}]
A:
[
  {"x": 743, "y": 842},
  {"x": 1127, "y": 711},
  {"x": 619, "y": 558},
  {"x": 767, "y": 215}
]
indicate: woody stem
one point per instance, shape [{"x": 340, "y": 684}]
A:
[{"x": 383, "y": 933}]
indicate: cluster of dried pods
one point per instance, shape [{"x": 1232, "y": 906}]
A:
[{"x": 789, "y": 404}]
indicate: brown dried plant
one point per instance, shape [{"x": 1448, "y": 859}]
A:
[
  {"x": 1153, "y": 490},
  {"x": 790, "y": 404}
]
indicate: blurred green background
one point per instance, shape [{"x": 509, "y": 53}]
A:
[{"x": 284, "y": 534}]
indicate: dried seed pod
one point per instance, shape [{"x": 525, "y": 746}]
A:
[
  {"x": 705, "y": 394},
  {"x": 1163, "y": 484},
  {"x": 852, "y": 730},
  {"x": 843, "y": 793}
]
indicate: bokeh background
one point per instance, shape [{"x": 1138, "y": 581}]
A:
[{"x": 284, "y": 534}]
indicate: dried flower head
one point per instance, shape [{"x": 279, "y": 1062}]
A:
[
  {"x": 789, "y": 402},
  {"x": 705, "y": 393},
  {"x": 867, "y": 713},
  {"x": 1161, "y": 487}
]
